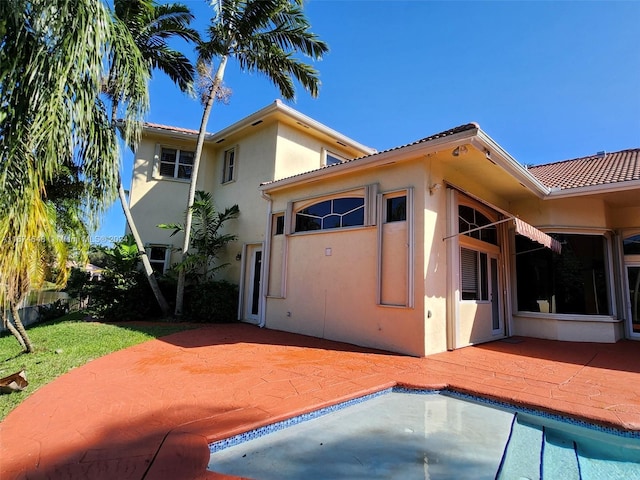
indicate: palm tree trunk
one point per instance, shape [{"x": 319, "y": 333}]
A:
[
  {"x": 217, "y": 81},
  {"x": 9, "y": 326},
  {"x": 151, "y": 277},
  {"x": 26, "y": 341}
]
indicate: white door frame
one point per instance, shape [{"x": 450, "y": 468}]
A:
[
  {"x": 629, "y": 323},
  {"x": 248, "y": 295}
]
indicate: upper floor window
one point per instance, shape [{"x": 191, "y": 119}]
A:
[
  {"x": 334, "y": 213},
  {"x": 471, "y": 219},
  {"x": 229, "y": 172},
  {"x": 176, "y": 163},
  {"x": 331, "y": 158}
]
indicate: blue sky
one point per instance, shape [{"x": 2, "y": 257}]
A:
[{"x": 547, "y": 80}]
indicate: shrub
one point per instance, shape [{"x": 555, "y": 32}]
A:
[
  {"x": 212, "y": 302},
  {"x": 53, "y": 310}
]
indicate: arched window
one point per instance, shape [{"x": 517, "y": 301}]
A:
[
  {"x": 334, "y": 213},
  {"x": 469, "y": 218}
]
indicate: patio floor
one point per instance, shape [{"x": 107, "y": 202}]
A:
[{"x": 149, "y": 412}]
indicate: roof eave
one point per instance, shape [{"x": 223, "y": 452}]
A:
[
  {"x": 377, "y": 159},
  {"x": 278, "y": 106},
  {"x": 165, "y": 132},
  {"x": 501, "y": 157},
  {"x": 593, "y": 189}
]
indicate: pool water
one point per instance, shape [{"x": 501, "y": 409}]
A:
[{"x": 399, "y": 435}]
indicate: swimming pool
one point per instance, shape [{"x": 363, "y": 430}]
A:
[{"x": 428, "y": 435}]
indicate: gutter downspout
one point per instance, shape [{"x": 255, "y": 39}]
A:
[{"x": 266, "y": 260}]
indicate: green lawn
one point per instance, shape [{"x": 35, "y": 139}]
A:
[{"x": 76, "y": 342}]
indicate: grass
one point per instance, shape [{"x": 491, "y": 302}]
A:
[{"x": 67, "y": 343}]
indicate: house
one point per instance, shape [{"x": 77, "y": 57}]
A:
[{"x": 434, "y": 245}]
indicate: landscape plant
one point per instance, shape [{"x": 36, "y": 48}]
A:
[
  {"x": 263, "y": 36},
  {"x": 51, "y": 123},
  {"x": 143, "y": 30}
]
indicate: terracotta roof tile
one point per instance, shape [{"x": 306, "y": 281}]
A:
[{"x": 599, "y": 169}]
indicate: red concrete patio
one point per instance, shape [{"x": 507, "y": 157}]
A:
[{"x": 149, "y": 412}]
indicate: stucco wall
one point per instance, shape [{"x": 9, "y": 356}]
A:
[
  {"x": 154, "y": 200},
  {"x": 331, "y": 276}
]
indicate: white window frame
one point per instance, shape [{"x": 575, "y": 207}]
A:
[
  {"x": 609, "y": 260},
  {"x": 367, "y": 192},
  {"x": 176, "y": 165},
  {"x": 167, "y": 255},
  {"x": 229, "y": 169},
  {"x": 328, "y": 153}
]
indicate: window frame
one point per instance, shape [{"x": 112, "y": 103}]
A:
[
  {"x": 482, "y": 283},
  {"x": 167, "y": 255},
  {"x": 385, "y": 207},
  {"x": 608, "y": 270},
  {"x": 229, "y": 169},
  {"x": 328, "y": 153},
  {"x": 367, "y": 192},
  {"x": 157, "y": 170}
]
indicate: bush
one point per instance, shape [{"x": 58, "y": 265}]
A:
[
  {"x": 212, "y": 302},
  {"x": 53, "y": 310}
]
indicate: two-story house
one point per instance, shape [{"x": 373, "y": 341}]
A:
[
  {"x": 273, "y": 143},
  {"x": 434, "y": 245}
]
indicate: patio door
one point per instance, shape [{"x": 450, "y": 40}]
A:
[
  {"x": 631, "y": 251},
  {"x": 252, "y": 284},
  {"x": 633, "y": 281},
  {"x": 481, "y": 318}
]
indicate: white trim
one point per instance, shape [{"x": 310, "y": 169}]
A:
[
  {"x": 496, "y": 154},
  {"x": 326, "y": 152},
  {"x": 453, "y": 270},
  {"x": 234, "y": 172},
  {"x": 157, "y": 160},
  {"x": 410, "y": 220},
  {"x": 167, "y": 254}
]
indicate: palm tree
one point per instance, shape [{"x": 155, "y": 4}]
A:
[
  {"x": 262, "y": 36},
  {"x": 143, "y": 30},
  {"x": 51, "y": 52}
]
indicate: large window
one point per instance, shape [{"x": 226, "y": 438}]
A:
[
  {"x": 334, "y": 213},
  {"x": 176, "y": 163},
  {"x": 573, "y": 282}
]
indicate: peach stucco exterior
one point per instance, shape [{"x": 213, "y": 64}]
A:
[{"x": 393, "y": 285}]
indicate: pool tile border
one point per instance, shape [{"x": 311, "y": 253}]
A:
[{"x": 277, "y": 426}]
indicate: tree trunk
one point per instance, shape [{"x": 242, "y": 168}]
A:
[
  {"x": 12, "y": 329},
  {"x": 217, "y": 81},
  {"x": 151, "y": 277},
  {"x": 28, "y": 346}
]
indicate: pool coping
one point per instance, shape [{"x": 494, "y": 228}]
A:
[{"x": 185, "y": 450}]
